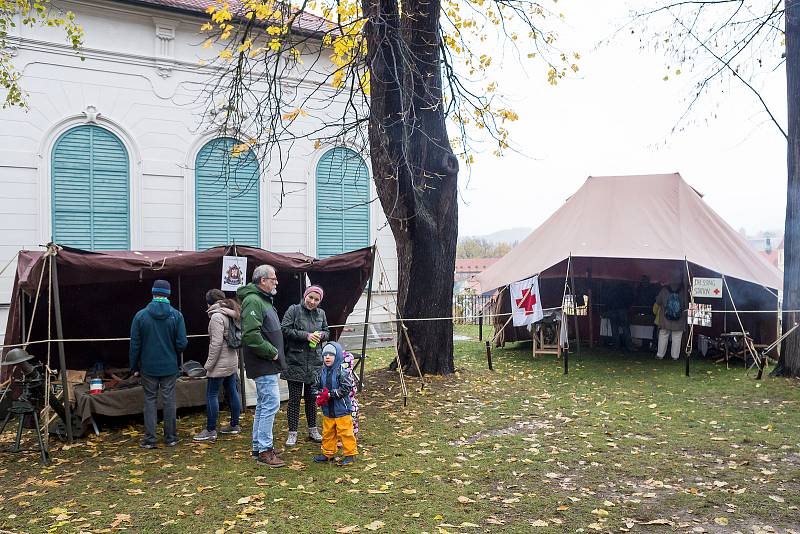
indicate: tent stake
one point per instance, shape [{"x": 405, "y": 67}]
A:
[
  {"x": 62, "y": 359},
  {"x": 489, "y": 354}
]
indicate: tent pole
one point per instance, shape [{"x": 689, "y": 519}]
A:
[
  {"x": 575, "y": 309},
  {"x": 589, "y": 311},
  {"x": 366, "y": 318},
  {"x": 180, "y": 307},
  {"x": 22, "y": 317},
  {"x": 563, "y": 318},
  {"x": 62, "y": 359},
  {"x": 738, "y": 318},
  {"x": 691, "y": 327}
]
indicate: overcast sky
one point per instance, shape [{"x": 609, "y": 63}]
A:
[{"x": 616, "y": 118}]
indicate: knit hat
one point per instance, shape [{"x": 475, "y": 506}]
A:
[
  {"x": 329, "y": 348},
  {"x": 161, "y": 287},
  {"x": 315, "y": 289}
]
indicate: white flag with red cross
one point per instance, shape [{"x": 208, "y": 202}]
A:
[{"x": 526, "y": 305}]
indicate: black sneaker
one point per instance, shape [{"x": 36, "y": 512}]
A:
[
  {"x": 172, "y": 443},
  {"x": 147, "y": 445}
]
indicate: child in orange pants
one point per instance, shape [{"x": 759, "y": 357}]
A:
[{"x": 333, "y": 396}]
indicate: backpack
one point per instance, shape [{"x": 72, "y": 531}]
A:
[
  {"x": 233, "y": 334},
  {"x": 672, "y": 310}
]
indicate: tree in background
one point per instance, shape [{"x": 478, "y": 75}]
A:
[
  {"x": 742, "y": 40},
  {"x": 398, "y": 72},
  {"x": 477, "y": 247},
  {"x": 16, "y": 13}
]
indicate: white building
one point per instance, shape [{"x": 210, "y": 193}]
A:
[{"x": 111, "y": 154}]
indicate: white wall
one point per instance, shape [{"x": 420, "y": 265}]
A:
[{"x": 144, "y": 90}]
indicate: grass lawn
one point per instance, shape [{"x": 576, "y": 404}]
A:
[{"x": 623, "y": 443}]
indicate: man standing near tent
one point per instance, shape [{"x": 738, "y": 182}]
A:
[
  {"x": 158, "y": 336},
  {"x": 672, "y": 304},
  {"x": 262, "y": 346}
]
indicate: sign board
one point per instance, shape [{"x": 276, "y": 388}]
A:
[
  {"x": 699, "y": 314},
  {"x": 710, "y": 288},
  {"x": 234, "y": 272}
]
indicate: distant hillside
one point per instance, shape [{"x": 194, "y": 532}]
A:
[{"x": 510, "y": 235}]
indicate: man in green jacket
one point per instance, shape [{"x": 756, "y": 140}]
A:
[
  {"x": 158, "y": 336},
  {"x": 262, "y": 350}
]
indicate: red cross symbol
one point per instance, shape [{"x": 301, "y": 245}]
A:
[
  {"x": 527, "y": 302},
  {"x": 716, "y": 291}
]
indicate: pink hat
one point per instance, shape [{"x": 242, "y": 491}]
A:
[{"x": 315, "y": 289}]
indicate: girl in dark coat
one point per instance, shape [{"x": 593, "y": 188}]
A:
[{"x": 305, "y": 329}]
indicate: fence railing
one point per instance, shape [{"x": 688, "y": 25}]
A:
[{"x": 467, "y": 308}]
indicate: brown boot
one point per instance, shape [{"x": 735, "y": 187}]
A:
[{"x": 269, "y": 458}]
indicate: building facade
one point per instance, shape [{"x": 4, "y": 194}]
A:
[{"x": 112, "y": 154}]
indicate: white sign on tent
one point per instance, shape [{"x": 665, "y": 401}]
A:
[
  {"x": 234, "y": 271},
  {"x": 710, "y": 288},
  {"x": 526, "y": 305}
]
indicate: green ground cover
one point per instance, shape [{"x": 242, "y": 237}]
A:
[{"x": 622, "y": 443}]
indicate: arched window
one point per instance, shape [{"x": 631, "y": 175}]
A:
[
  {"x": 90, "y": 190},
  {"x": 342, "y": 202},
  {"x": 226, "y": 196}
]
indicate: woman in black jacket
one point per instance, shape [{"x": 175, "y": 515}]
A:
[{"x": 305, "y": 329}]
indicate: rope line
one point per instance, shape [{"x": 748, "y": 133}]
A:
[{"x": 390, "y": 321}]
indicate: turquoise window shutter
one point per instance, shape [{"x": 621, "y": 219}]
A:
[
  {"x": 90, "y": 190},
  {"x": 226, "y": 196},
  {"x": 342, "y": 202}
]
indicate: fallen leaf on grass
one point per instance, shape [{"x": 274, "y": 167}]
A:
[
  {"x": 375, "y": 525},
  {"x": 464, "y": 500},
  {"x": 409, "y": 491},
  {"x": 347, "y": 530},
  {"x": 721, "y": 520},
  {"x": 777, "y": 498},
  {"x": 119, "y": 518},
  {"x": 539, "y": 523},
  {"x": 658, "y": 522}
]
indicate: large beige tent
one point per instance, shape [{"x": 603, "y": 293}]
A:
[
  {"x": 620, "y": 228},
  {"x": 649, "y": 217}
]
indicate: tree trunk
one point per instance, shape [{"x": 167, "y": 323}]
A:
[
  {"x": 415, "y": 172},
  {"x": 789, "y": 363}
]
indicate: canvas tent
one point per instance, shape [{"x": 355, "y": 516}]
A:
[
  {"x": 101, "y": 292},
  {"x": 623, "y": 227}
]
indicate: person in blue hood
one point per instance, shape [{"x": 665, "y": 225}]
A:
[
  {"x": 333, "y": 387},
  {"x": 158, "y": 336}
]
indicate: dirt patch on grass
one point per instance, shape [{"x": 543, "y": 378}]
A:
[{"x": 520, "y": 427}]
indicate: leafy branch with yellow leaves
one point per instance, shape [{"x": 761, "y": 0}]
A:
[
  {"x": 15, "y": 14},
  {"x": 390, "y": 80}
]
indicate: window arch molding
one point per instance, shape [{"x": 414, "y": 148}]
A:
[
  {"x": 90, "y": 116},
  {"x": 354, "y": 233},
  {"x": 190, "y": 189}
]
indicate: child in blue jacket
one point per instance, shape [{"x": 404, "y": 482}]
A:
[{"x": 333, "y": 388}]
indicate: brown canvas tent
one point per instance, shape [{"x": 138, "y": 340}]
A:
[
  {"x": 624, "y": 227},
  {"x": 101, "y": 292}
]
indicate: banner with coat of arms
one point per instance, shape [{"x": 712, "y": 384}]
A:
[{"x": 234, "y": 272}]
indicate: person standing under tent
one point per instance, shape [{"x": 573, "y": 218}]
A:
[
  {"x": 305, "y": 328},
  {"x": 158, "y": 336},
  {"x": 262, "y": 348},
  {"x": 672, "y": 305},
  {"x": 222, "y": 364}
]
